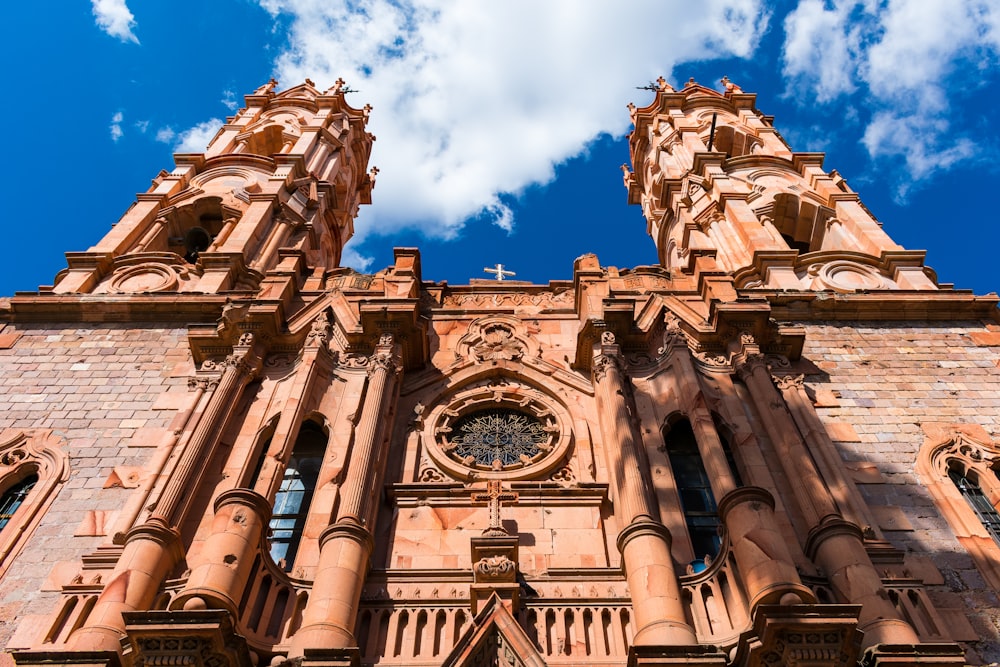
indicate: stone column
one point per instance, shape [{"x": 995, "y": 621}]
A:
[
  {"x": 279, "y": 235},
  {"x": 763, "y": 560},
  {"x": 346, "y": 545},
  {"x": 155, "y": 229},
  {"x": 644, "y": 542},
  {"x": 153, "y": 548},
  {"x": 243, "y": 515},
  {"x": 852, "y": 505},
  {"x": 836, "y": 545}
]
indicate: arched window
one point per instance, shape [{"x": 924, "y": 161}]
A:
[
  {"x": 291, "y": 503},
  {"x": 958, "y": 465},
  {"x": 32, "y": 469},
  {"x": 697, "y": 501},
  {"x": 14, "y": 497},
  {"x": 978, "y": 501}
]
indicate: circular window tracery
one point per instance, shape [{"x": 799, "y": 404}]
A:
[
  {"x": 498, "y": 438},
  {"x": 498, "y": 431}
]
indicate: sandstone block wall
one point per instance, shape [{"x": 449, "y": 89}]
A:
[
  {"x": 879, "y": 383},
  {"x": 101, "y": 390}
]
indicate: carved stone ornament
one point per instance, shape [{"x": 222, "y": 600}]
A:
[
  {"x": 607, "y": 338},
  {"x": 602, "y": 364},
  {"x": 144, "y": 278},
  {"x": 496, "y": 338},
  {"x": 789, "y": 382},
  {"x": 673, "y": 335},
  {"x": 319, "y": 332},
  {"x": 497, "y": 430},
  {"x": 844, "y": 276},
  {"x": 494, "y": 568},
  {"x": 498, "y": 344}
]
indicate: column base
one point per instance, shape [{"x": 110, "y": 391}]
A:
[
  {"x": 688, "y": 656},
  {"x": 913, "y": 655},
  {"x": 817, "y": 635},
  {"x": 331, "y": 657}
]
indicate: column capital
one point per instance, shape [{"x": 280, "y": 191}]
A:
[
  {"x": 605, "y": 362},
  {"x": 789, "y": 382},
  {"x": 386, "y": 356},
  {"x": 748, "y": 364}
]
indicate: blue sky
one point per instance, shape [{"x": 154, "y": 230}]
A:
[{"x": 501, "y": 125}]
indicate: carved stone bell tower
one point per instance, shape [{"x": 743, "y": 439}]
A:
[
  {"x": 274, "y": 194},
  {"x": 723, "y": 193}
]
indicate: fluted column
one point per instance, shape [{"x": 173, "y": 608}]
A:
[
  {"x": 836, "y": 545},
  {"x": 644, "y": 542},
  {"x": 346, "y": 545},
  {"x": 763, "y": 560},
  {"x": 792, "y": 388},
  {"x": 153, "y": 548}
]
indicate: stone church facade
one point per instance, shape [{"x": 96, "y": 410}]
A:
[{"x": 779, "y": 446}]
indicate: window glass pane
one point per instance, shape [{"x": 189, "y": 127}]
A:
[
  {"x": 697, "y": 501},
  {"x": 14, "y": 497},
  {"x": 291, "y": 503},
  {"x": 979, "y": 503}
]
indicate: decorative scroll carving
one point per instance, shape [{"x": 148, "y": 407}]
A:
[
  {"x": 784, "y": 382},
  {"x": 494, "y": 568},
  {"x": 538, "y": 299},
  {"x": 319, "y": 332}
]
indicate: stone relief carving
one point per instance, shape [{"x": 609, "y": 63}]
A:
[{"x": 494, "y": 568}]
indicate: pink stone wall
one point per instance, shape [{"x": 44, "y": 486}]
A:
[
  {"x": 884, "y": 382},
  {"x": 105, "y": 391}
]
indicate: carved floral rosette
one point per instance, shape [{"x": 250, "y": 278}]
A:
[{"x": 505, "y": 395}]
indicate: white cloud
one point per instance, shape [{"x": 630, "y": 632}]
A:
[
  {"x": 116, "y": 126},
  {"x": 165, "y": 135},
  {"x": 229, "y": 100},
  {"x": 909, "y": 59},
  {"x": 142, "y": 125},
  {"x": 196, "y": 139},
  {"x": 114, "y": 18},
  {"x": 477, "y": 99}
]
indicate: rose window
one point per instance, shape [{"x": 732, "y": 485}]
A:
[
  {"x": 497, "y": 438},
  {"x": 497, "y": 430}
]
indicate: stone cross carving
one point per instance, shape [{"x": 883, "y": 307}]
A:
[
  {"x": 494, "y": 495},
  {"x": 500, "y": 272}
]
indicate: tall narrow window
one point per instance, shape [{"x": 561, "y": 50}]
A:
[
  {"x": 697, "y": 501},
  {"x": 978, "y": 501},
  {"x": 291, "y": 503},
  {"x": 14, "y": 498}
]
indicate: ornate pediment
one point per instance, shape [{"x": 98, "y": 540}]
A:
[{"x": 494, "y": 639}]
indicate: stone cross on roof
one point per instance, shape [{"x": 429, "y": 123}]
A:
[
  {"x": 494, "y": 495},
  {"x": 500, "y": 272}
]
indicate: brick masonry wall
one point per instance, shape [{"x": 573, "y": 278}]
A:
[
  {"x": 96, "y": 389},
  {"x": 879, "y": 382}
]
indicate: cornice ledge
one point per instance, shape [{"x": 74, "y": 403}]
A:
[
  {"x": 899, "y": 305},
  {"x": 175, "y": 307}
]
